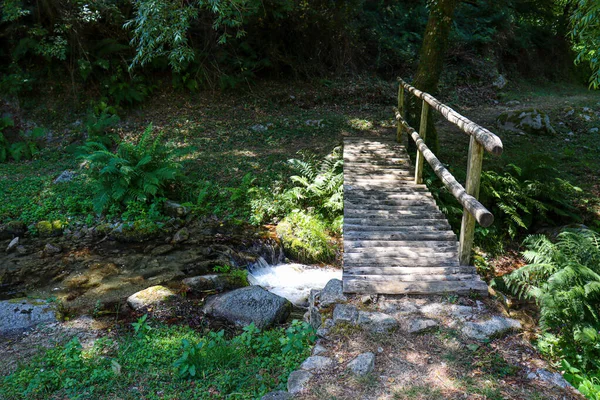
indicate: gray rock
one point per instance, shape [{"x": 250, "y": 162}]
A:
[
  {"x": 247, "y": 305},
  {"x": 366, "y": 299},
  {"x": 317, "y": 363},
  {"x": 323, "y": 333},
  {"x": 594, "y": 130},
  {"x": 314, "y": 317},
  {"x": 12, "y": 245},
  {"x": 512, "y": 103},
  {"x": 217, "y": 282},
  {"x": 376, "y": 321},
  {"x": 298, "y": 381},
  {"x": 174, "y": 209},
  {"x": 162, "y": 249},
  {"x": 181, "y": 236},
  {"x": 313, "y": 297},
  {"x": 363, "y": 364},
  {"x": 278, "y": 395},
  {"x": 65, "y": 176},
  {"x": 332, "y": 293},
  {"x": 495, "y": 326},
  {"x": 554, "y": 378},
  {"x": 421, "y": 325},
  {"x": 51, "y": 249},
  {"x": 345, "y": 313},
  {"x": 530, "y": 120},
  {"x": 318, "y": 350},
  {"x": 18, "y": 315},
  {"x": 11, "y": 229},
  {"x": 149, "y": 296},
  {"x": 21, "y": 250}
]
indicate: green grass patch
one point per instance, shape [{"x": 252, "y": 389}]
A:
[{"x": 165, "y": 362}]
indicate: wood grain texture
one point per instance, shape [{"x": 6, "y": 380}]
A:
[{"x": 396, "y": 240}]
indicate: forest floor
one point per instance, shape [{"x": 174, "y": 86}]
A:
[{"x": 232, "y": 136}]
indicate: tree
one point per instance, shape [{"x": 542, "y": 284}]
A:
[
  {"x": 586, "y": 36},
  {"x": 431, "y": 61}
]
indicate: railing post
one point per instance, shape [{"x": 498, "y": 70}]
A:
[
  {"x": 467, "y": 229},
  {"x": 401, "y": 110},
  {"x": 423, "y": 134}
]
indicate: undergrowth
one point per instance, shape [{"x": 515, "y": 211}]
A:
[{"x": 165, "y": 362}]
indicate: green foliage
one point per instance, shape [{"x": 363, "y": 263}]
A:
[
  {"x": 135, "y": 173},
  {"x": 25, "y": 149},
  {"x": 585, "y": 21},
  {"x": 525, "y": 197},
  {"x": 246, "y": 366},
  {"x": 142, "y": 327},
  {"x": 319, "y": 185},
  {"x": 306, "y": 238},
  {"x": 99, "y": 121},
  {"x": 564, "y": 279}
]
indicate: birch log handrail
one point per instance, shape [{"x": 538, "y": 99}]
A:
[
  {"x": 470, "y": 203},
  {"x": 490, "y": 142},
  {"x": 481, "y": 139}
]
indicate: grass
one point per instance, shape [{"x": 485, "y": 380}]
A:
[{"x": 143, "y": 365}]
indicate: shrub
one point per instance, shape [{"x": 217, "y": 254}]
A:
[
  {"x": 135, "y": 173},
  {"x": 305, "y": 238},
  {"x": 564, "y": 279}
]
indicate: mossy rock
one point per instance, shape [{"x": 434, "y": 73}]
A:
[
  {"x": 528, "y": 120},
  {"x": 50, "y": 228},
  {"x": 136, "y": 232},
  {"x": 305, "y": 238}
]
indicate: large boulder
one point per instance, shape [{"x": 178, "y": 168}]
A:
[
  {"x": 219, "y": 282},
  {"x": 529, "y": 120},
  {"x": 18, "y": 315},
  {"x": 493, "y": 327},
  {"x": 251, "y": 304}
]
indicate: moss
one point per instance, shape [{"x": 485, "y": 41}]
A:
[
  {"x": 138, "y": 231},
  {"x": 305, "y": 238},
  {"x": 48, "y": 228}
]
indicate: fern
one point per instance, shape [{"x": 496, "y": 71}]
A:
[
  {"x": 135, "y": 173},
  {"x": 318, "y": 185},
  {"x": 564, "y": 279}
]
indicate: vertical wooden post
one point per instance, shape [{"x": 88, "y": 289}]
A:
[
  {"x": 401, "y": 110},
  {"x": 423, "y": 134},
  {"x": 467, "y": 229}
]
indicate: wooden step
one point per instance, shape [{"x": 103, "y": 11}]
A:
[
  {"x": 410, "y": 277},
  {"x": 391, "y": 286},
  {"x": 391, "y": 204},
  {"x": 397, "y": 243},
  {"x": 401, "y": 262},
  {"x": 377, "y": 257},
  {"x": 396, "y": 222},
  {"x": 393, "y": 271},
  {"x": 425, "y": 212},
  {"x": 445, "y": 235}
]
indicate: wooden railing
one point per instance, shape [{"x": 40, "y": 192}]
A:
[{"x": 481, "y": 139}]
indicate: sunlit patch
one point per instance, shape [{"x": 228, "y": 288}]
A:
[{"x": 360, "y": 124}]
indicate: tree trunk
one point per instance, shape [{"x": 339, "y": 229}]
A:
[{"x": 431, "y": 63}]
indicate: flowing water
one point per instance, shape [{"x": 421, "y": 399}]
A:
[{"x": 292, "y": 281}]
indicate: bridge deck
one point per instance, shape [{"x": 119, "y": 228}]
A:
[{"x": 396, "y": 240}]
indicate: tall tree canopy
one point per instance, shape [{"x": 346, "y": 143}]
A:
[{"x": 586, "y": 36}]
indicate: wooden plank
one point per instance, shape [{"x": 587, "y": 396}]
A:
[
  {"x": 353, "y": 285},
  {"x": 400, "y": 235},
  {"x": 409, "y": 277},
  {"x": 415, "y": 249},
  {"x": 390, "y": 204},
  {"x": 392, "y": 223},
  {"x": 402, "y": 262},
  {"x": 425, "y": 211},
  {"x": 382, "y": 196},
  {"x": 379, "y": 270},
  {"x": 400, "y": 229},
  {"x": 403, "y": 253},
  {"x": 354, "y": 244}
]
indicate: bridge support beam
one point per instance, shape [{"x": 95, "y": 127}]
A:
[{"x": 467, "y": 229}]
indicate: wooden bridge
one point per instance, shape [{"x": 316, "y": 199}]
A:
[{"x": 396, "y": 240}]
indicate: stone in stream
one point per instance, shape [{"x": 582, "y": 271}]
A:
[
  {"x": 297, "y": 381},
  {"x": 12, "y": 245},
  {"x": 376, "y": 322},
  {"x": 494, "y": 326},
  {"x": 149, "y": 296},
  {"x": 251, "y": 304},
  {"x": 363, "y": 364},
  {"x": 332, "y": 293},
  {"x": 181, "y": 236},
  {"x": 18, "y": 315},
  {"x": 51, "y": 249},
  {"x": 219, "y": 282}
]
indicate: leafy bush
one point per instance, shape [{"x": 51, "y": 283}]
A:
[
  {"x": 564, "y": 279},
  {"x": 99, "y": 121},
  {"x": 135, "y": 173},
  {"x": 306, "y": 238},
  {"x": 21, "y": 150}
]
